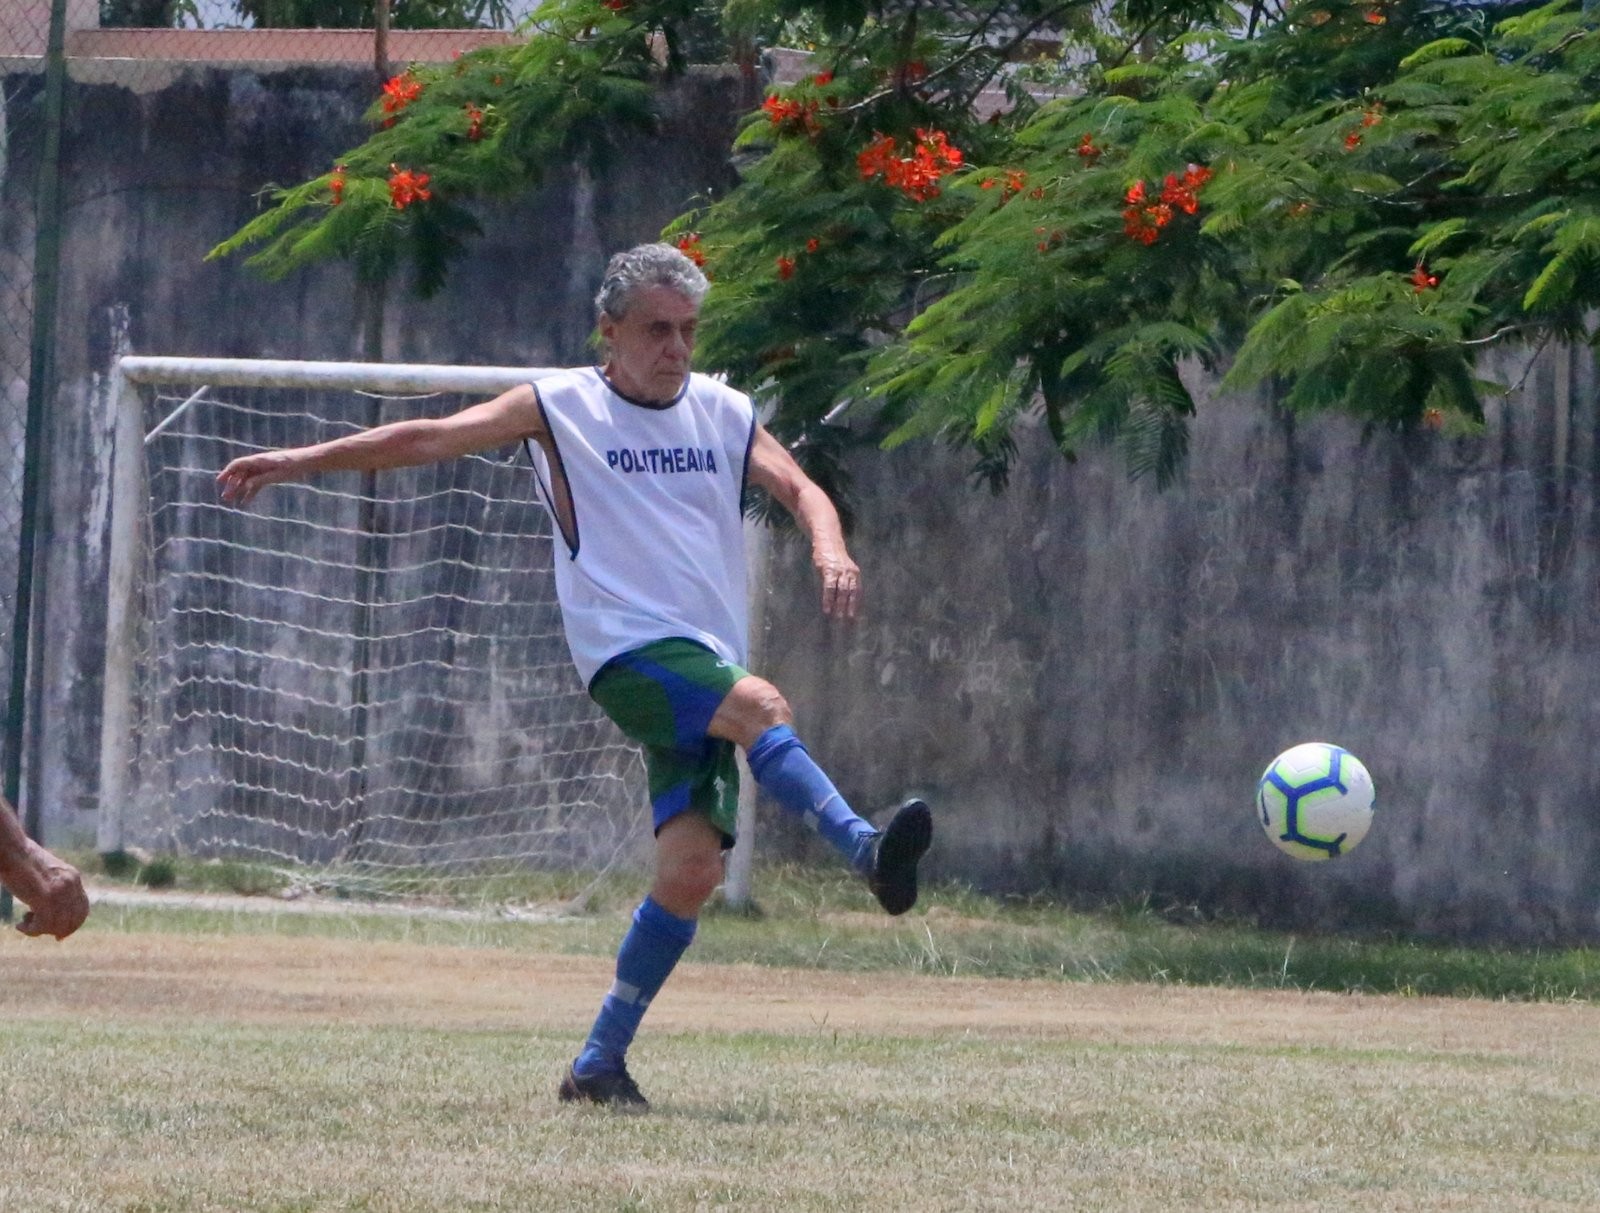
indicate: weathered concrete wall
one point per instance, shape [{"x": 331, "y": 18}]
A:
[{"x": 1088, "y": 677}]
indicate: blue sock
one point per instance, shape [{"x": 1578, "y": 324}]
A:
[
  {"x": 788, "y": 774},
  {"x": 649, "y": 952}
]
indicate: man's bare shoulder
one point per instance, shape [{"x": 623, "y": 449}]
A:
[{"x": 572, "y": 376}]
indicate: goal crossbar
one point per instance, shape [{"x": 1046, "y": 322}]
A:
[{"x": 347, "y": 376}]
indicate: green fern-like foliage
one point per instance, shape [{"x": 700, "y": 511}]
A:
[
  {"x": 493, "y": 124},
  {"x": 1353, "y": 199},
  {"x": 1393, "y": 188}
]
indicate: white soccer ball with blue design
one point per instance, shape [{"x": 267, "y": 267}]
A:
[{"x": 1315, "y": 801}]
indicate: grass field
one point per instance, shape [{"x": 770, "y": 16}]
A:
[{"x": 166, "y": 1060}]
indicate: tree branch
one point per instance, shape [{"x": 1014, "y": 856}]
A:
[
  {"x": 1001, "y": 54},
  {"x": 1132, "y": 46},
  {"x": 1499, "y": 333}
]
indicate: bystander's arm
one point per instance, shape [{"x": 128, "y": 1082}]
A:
[{"x": 51, "y": 888}]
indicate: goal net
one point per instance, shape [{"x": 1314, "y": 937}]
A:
[{"x": 363, "y": 677}]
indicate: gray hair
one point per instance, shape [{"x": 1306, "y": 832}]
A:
[{"x": 648, "y": 265}]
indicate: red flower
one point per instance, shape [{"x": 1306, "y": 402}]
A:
[
  {"x": 615, "y": 6},
  {"x": 1087, "y": 148},
  {"x": 474, "y": 122},
  {"x": 689, "y": 246},
  {"x": 399, "y": 92},
  {"x": 1143, "y": 220},
  {"x": 873, "y": 160},
  {"x": 822, "y": 78},
  {"x": 1372, "y": 117},
  {"x": 786, "y": 268},
  {"x": 947, "y": 154},
  {"x": 406, "y": 187},
  {"x": 1138, "y": 226},
  {"x": 1015, "y": 180},
  {"x": 794, "y": 115},
  {"x": 911, "y": 73},
  {"x": 986, "y": 184},
  {"x": 779, "y": 110},
  {"x": 813, "y": 245},
  {"x": 1373, "y": 17},
  {"x": 1180, "y": 193},
  {"x": 917, "y": 175},
  {"x": 1421, "y": 280},
  {"x": 336, "y": 184}
]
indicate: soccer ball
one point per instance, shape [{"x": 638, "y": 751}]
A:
[{"x": 1315, "y": 801}]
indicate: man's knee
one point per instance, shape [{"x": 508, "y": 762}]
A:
[
  {"x": 752, "y": 707},
  {"x": 688, "y": 864},
  {"x": 685, "y": 882}
]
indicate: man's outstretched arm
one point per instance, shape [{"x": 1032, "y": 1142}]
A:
[
  {"x": 774, "y": 469},
  {"x": 509, "y": 417}
]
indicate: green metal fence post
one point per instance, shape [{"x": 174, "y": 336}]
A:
[{"x": 41, "y": 382}]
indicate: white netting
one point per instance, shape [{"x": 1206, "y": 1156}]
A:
[{"x": 364, "y": 674}]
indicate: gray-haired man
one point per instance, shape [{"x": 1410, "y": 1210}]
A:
[{"x": 643, "y": 466}]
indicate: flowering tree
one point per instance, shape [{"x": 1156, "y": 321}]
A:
[
  {"x": 1354, "y": 200},
  {"x": 1354, "y": 197}
]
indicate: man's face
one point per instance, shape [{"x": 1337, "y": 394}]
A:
[{"x": 651, "y": 345}]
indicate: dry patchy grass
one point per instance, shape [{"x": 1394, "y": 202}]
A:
[{"x": 156, "y": 1072}]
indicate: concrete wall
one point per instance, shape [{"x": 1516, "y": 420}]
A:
[
  {"x": 1085, "y": 675},
  {"x": 1088, "y": 677}
]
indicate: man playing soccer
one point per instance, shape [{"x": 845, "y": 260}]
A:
[{"x": 643, "y": 465}]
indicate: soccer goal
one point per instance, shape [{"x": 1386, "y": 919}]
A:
[{"x": 362, "y": 678}]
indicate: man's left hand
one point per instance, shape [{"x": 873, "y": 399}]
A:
[{"x": 841, "y": 586}]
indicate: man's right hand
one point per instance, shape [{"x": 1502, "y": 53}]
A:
[{"x": 247, "y": 475}]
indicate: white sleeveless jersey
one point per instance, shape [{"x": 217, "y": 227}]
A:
[{"x": 658, "y": 549}]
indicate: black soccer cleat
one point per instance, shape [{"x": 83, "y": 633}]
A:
[
  {"x": 615, "y": 1090},
  {"x": 895, "y": 855}
]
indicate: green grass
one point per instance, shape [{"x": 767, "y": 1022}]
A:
[
  {"x": 201, "y": 1118},
  {"x": 808, "y": 919},
  {"x": 182, "y": 1061}
]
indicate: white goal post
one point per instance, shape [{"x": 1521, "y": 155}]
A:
[{"x": 363, "y": 676}]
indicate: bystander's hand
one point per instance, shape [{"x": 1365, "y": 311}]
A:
[{"x": 57, "y": 905}]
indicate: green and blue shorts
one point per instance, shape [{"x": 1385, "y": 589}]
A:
[{"x": 663, "y": 696}]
